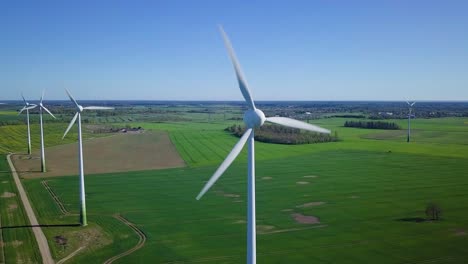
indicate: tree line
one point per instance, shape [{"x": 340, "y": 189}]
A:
[
  {"x": 372, "y": 125},
  {"x": 283, "y": 135}
]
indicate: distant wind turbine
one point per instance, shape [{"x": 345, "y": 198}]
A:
[
  {"x": 79, "y": 109},
  {"x": 410, "y": 115},
  {"x": 253, "y": 118},
  {"x": 27, "y": 106},
  {"x": 42, "y": 107}
]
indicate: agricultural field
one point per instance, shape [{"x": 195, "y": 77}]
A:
[
  {"x": 119, "y": 152},
  {"x": 359, "y": 200},
  {"x": 17, "y": 242}
]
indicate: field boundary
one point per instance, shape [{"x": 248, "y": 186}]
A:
[
  {"x": 139, "y": 245},
  {"x": 40, "y": 237}
]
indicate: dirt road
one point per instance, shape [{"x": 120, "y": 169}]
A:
[{"x": 40, "y": 237}]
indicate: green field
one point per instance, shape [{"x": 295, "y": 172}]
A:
[
  {"x": 18, "y": 242},
  {"x": 373, "y": 191}
]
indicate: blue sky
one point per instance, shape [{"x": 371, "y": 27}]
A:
[{"x": 289, "y": 50}]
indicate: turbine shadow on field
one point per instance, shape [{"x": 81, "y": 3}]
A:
[
  {"x": 412, "y": 219},
  {"x": 43, "y": 225}
]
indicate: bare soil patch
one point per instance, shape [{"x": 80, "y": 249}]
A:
[
  {"x": 228, "y": 195},
  {"x": 7, "y": 195},
  {"x": 16, "y": 243},
  {"x": 267, "y": 178},
  {"x": 231, "y": 195},
  {"x": 287, "y": 210},
  {"x": 117, "y": 153},
  {"x": 240, "y": 222},
  {"x": 12, "y": 207},
  {"x": 302, "y": 182},
  {"x": 305, "y": 219},
  {"x": 460, "y": 232},
  {"x": 261, "y": 229},
  {"x": 354, "y": 197},
  {"x": 291, "y": 230},
  {"x": 311, "y": 204},
  {"x": 4, "y": 181},
  {"x": 310, "y": 176}
]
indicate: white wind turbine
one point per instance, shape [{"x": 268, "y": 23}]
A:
[
  {"x": 42, "y": 107},
  {"x": 410, "y": 115},
  {"x": 253, "y": 118},
  {"x": 27, "y": 106},
  {"x": 79, "y": 109}
]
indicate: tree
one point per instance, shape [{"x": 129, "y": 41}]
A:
[{"x": 433, "y": 211}]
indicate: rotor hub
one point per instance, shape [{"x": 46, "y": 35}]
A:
[
  {"x": 254, "y": 118},
  {"x": 80, "y": 108}
]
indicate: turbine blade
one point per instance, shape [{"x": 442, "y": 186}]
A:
[
  {"x": 70, "y": 125},
  {"x": 289, "y": 122},
  {"x": 98, "y": 108},
  {"x": 240, "y": 75},
  {"x": 22, "y": 109},
  {"x": 32, "y": 106},
  {"x": 412, "y": 103},
  {"x": 226, "y": 163},
  {"x": 72, "y": 99},
  {"x": 47, "y": 110},
  {"x": 24, "y": 100}
]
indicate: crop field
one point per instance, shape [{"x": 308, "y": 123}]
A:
[
  {"x": 360, "y": 200},
  {"x": 14, "y": 138},
  {"x": 120, "y": 152},
  {"x": 17, "y": 243}
]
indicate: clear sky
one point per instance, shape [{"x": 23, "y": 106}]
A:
[{"x": 289, "y": 50}]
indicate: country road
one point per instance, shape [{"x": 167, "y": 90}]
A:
[{"x": 40, "y": 237}]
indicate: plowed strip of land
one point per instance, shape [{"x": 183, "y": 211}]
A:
[
  {"x": 40, "y": 237},
  {"x": 139, "y": 245},
  {"x": 118, "y": 153}
]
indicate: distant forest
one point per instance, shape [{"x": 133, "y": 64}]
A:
[
  {"x": 372, "y": 125},
  {"x": 283, "y": 135}
]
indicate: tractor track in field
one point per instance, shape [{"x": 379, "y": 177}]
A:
[
  {"x": 55, "y": 198},
  {"x": 140, "y": 244},
  {"x": 70, "y": 256}
]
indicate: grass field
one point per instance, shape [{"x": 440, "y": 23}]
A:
[
  {"x": 14, "y": 138},
  {"x": 18, "y": 244},
  {"x": 369, "y": 194}
]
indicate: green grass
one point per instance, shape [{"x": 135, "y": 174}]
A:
[
  {"x": 19, "y": 243},
  {"x": 14, "y": 138},
  {"x": 367, "y": 185},
  {"x": 365, "y": 196}
]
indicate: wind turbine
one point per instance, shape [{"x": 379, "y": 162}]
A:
[
  {"x": 79, "y": 110},
  {"x": 42, "y": 107},
  {"x": 253, "y": 118},
  {"x": 27, "y": 106},
  {"x": 410, "y": 115}
]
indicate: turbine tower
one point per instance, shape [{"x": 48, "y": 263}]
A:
[
  {"x": 253, "y": 118},
  {"x": 42, "y": 107},
  {"x": 27, "y": 106},
  {"x": 410, "y": 115},
  {"x": 79, "y": 110}
]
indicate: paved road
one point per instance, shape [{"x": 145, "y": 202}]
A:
[{"x": 40, "y": 237}]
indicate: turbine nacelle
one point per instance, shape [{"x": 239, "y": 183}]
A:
[{"x": 254, "y": 118}]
